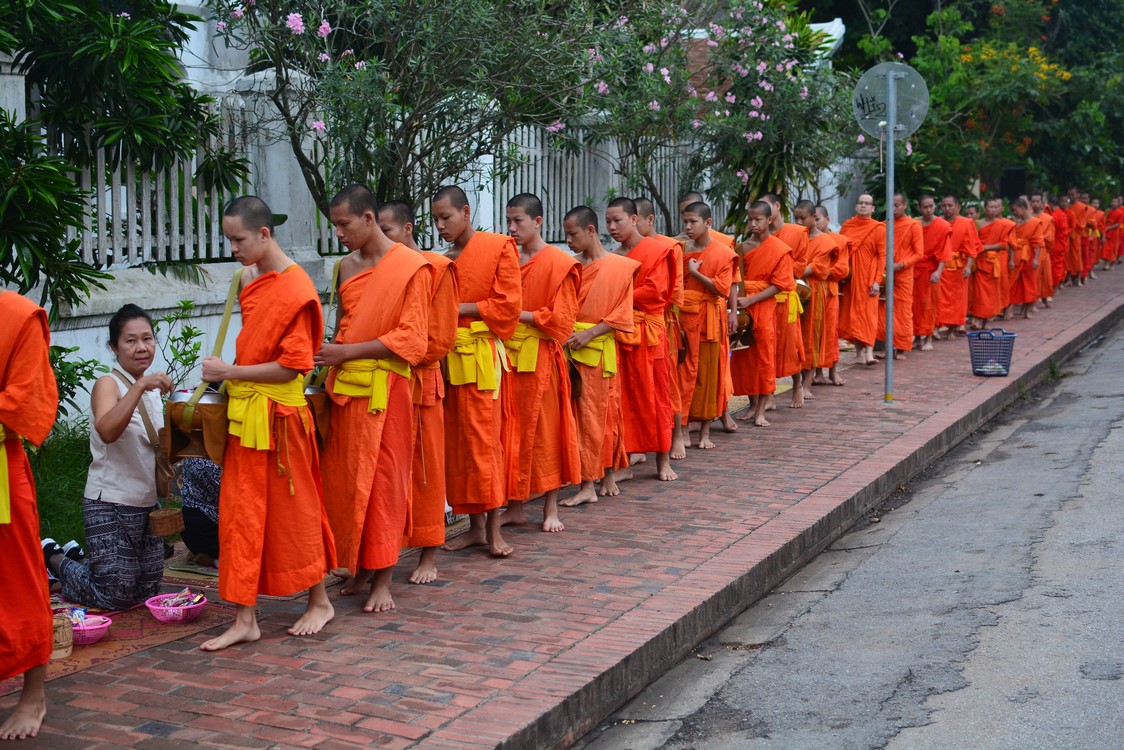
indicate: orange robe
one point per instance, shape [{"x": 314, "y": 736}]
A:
[
  {"x": 964, "y": 244},
  {"x": 909, "y": 246},
  {"x": 936, "y": 236},
  {"x": 1076, "y": 221},
  {"x": 858, "y": 311},
  {"x": 986, "y": 301},
  {"x": 29, "y": 400},
  {"x": 721, "y": 238},
  {"x": 1044, "y": 278},
  {"x": 275, "y": 537},
  {"x": 477, "y": 470},
  {"x": 645, "y": 366},
  {"x": 1024, "y": 277},
  {"x": 427, "y": 477},
  {"x": 840, "y": 270},
  {"x": 605, "y": 297},
  {"x": 754, "y": 369},
  {"x": 675, "y": 336},
  {"x": 822, "y": 252},
  {"x": 548, "y": 444},
  {"x": 1060, "y": 250},
  {"x": 790, "y": 344},
  {"x": 703, "y": 372},
  {"x": 1103, "y": 251},
  {"x": 1113, "y": 237},
  {"x": 368, "y": 454}
]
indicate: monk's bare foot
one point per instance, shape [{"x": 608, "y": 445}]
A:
[
  {"x": 899, "y": 355},
  {"x": 819, "y": 378},
  {"x": 797, "y": 398},
  {"x": 637, "y": 458},
  {"x": 356, "y": 583},
  {"x": 663, "y": 468},
  {"x": 706, "y": 443},
  {"x": 1008, "y": 313},
  {"x": 619, "y": 475},
  {"x": 746, "y": 416},
  {"x": 380, "y": 599},
  {"x": 244, "y": 630},
  {"x": 24, "y": 722},
  {"x": 609, "y": 486},
  {"x": 927, "y": 345},
  {"x": 426, "y": 572},
  {"x": 1046, "y": 302},
  {"x": 513, "y": 515},
  {"x": 497, "y": 545},
  {"x": 586, "y": 494},
  {"x": 318, "y": 614},
  {"x": 474, "y": 537},
  {"x": 678, "y": 445},
  {"x": 728, "y": 423},
  {"x": 836, "y": 379},
  {"x": 770, "y": 403},
  {"x": 550, "y": 520},
  {"x": 760, "y": 421}
]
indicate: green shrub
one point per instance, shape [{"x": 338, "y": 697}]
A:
[{"x": 59, "y": 468}]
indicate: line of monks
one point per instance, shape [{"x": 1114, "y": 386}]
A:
[{"x": 505, "y": 369}]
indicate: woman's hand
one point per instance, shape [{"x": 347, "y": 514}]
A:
[{"x": 156, "y": 381}]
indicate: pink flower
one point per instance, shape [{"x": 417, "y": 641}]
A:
[
  {"x": 220, "y": 26},
  {"x": 318, "y": 126},
  {"x": 696, "y": 124},
  {"x": 765, "y": 85},
  {"x": 711, "y": 96},
  {"x": 900, "y": 56},
  {"x": 804, "y": 93},
  {"x": 126, "y": 16},
  {"x": 602, "y": 87},
  {"x": 742, "y": 175},
  {"x": 325, "y": 57},
  {"x": 711, "y": 43},
  {"x": 649, "y": 49},
  {"x": 346, "y": 52},
  {"x": 753, "y": 113},
  {"x": 908, "y": 148},
  {"x": 654, "y": 105},
  {"x": 861, "y": 138},
  {"x": 361, "y": 65},
  {"x": 324, "y": 30},
  {"x": 295, "y": 23},
  {"x": 757, "y": 102},
  {"x": 731, "y": 98},
  {"x": 649, "y": 68},
  {"x": 761, "y": 66},
  {"x": 236, "y": 13},
  {"x": 555, "y": 126}
]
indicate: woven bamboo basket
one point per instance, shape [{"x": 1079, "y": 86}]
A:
[
  {"x": 63, "y": 642},
  {"x": 166, "y": 521}
]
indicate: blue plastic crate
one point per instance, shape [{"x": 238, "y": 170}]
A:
[{"x": 991, "y": 352}]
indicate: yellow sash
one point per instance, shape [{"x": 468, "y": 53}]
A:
[
  {"x": 248, "y": 408},
  {"x": 993, "y": 258},
  {"x": 473, "y": 360},
  {"x": 795, "y": 308},
  {"x": 368, "y": 377},
  {"x": 523, "y": 347},
  {"x": 956, "y": 261},
  {"x": 646, "y": 329},
  {"x": 711, "y": 307},
  {"x": 601, "y": 350},
  {"x": 5, "y": 488}
]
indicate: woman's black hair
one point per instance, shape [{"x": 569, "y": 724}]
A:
[{"x": 124, "y": 315}]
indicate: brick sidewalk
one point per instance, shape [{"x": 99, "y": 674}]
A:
[{"x": 534, "y": 650}]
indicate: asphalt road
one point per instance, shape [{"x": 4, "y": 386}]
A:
[{"x": 985, "y": 610}]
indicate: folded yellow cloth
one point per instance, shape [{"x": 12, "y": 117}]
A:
[
  {"x": 368, "y": 377},
  {"x": 794, "y": 305},
  {"x": 5, "y": 487},
  {"x": 523, "y": 347},
  {"x": 601, "y": 350},
  {"x": 248, "y": 408},
  {"x": 474, "y": 360}
]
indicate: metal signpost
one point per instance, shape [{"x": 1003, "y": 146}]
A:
[{"x": 891, "y": 101}]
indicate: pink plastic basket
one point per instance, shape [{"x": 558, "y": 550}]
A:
[
  {"x": 155, "y": 605},
  {"x": 91, "y": 630}
]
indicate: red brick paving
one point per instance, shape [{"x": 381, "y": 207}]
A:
[{"x": 532, "y": 651}]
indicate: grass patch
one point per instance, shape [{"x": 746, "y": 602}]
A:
[{"x": 60, "y": 468}]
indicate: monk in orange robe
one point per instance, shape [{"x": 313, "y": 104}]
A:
[
  {"x": 645, "y": 367},
  {"x": 646, "y": 226},
  {"x": 1103, "y": 250},
  {"x": 548, "y": 446},
  {"x": 1028, "y": 254},
  {"x": 1113, "y": 230},
  {"x": 711, "y": 270},
  {"x": 604, "y": 307},
  {"x": 275, "y": 537},
  {"x": 1060, "y": 250},
  {"x": 381, "y": 332},
  {"x": 996, "y": 238},
  {"x": 29, "y": 401},
  {"x": 909, "y": 247},
  {"x": 1075, "y": 265},
  {"x": 766, "y": 272},
  {"x": 790, "y": 344},
  {"x": 858, "y": 310},
  {"x": 964, "y": 246},
  {"x": 480, "y": 447},
  {"x": 813, "y": 334},
  {"x": 1045, "y": 277},
  {"x": 929, "y": 270},
  {"x": 427, "y": 386},
  {"x": 840, "y": 271}
]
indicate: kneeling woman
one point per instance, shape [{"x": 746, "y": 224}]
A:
[{"x": 124, "y": 560}]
